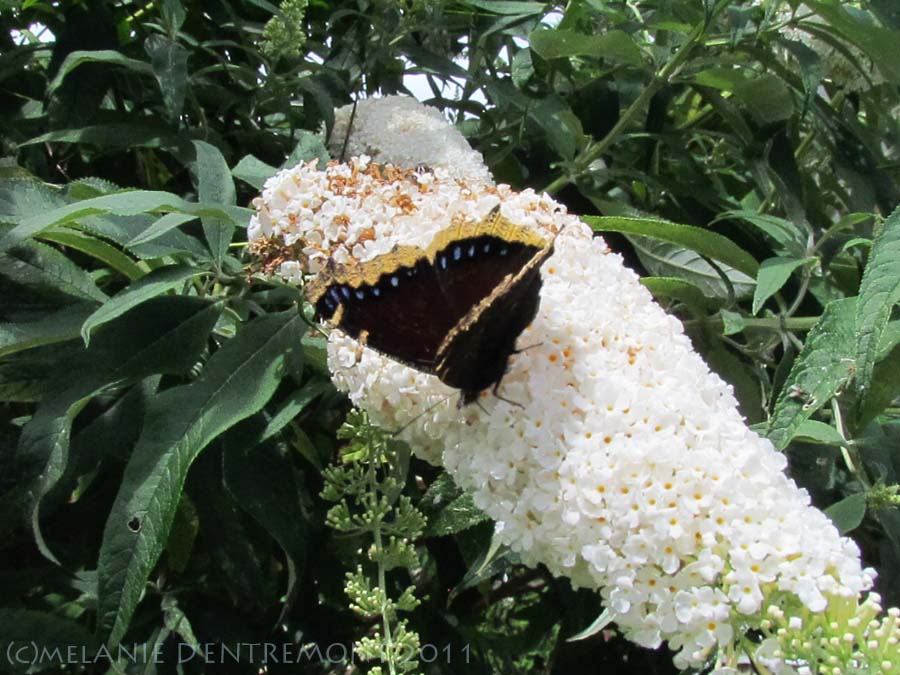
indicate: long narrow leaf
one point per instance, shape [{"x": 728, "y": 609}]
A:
[
  {"x": 166, "y": 335},
  {"x": 155, "y": 283},
  {"x": 879, "y": 292},
  {"x": 110, "y": 56},
  {"x": 96, "y": 248},
  {"x": 237, "y": 382},
  {"x": 824, "y": 365},
  {"x": 57, "y": 326},
  {"x": 707, "y": 243},
  {"x": 215, "y": 186},
  {"x": 128, "y": 203}
]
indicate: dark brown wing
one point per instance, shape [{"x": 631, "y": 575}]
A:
[
  {"x": 470, "y": 269},
  {"x": 411, "y": 302},
  {"x": 404, "y": 314},
  {"x": 474, "y": 354},
  {"x": 408, "y": 310}
]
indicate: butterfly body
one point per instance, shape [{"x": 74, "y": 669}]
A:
[{"x": 454, "y": 309}]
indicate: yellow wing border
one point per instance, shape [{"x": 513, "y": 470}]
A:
[{"x": 356, "y": 275}]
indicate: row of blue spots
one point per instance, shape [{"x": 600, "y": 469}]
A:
[
  {"x": 457, "y": 253},
  {"x": 337, "y": 294}
]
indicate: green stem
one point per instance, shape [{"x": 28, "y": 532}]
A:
[
  {"x": 795, "y": 323},
  {"x": 595, "y": 150},
  {"x": 382, "y": 581}
]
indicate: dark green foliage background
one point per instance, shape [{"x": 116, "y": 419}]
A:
[{"x": 166, "y": 416}]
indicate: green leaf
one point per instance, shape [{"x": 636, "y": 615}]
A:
[
  {"x": 309, "y": 146},
  {"x": 294, "y": 405},
  {"x": 773, "y": 274},
  {"x": 155, "y": 283},
  {"x": 214, "y": 182},
  {"x": 320, "y": 98},
  {"x": 522, "y": 68},
  {"x": 77, "y": 58},
  {"x": 58, "y": 326},
  {"x": 169, "y": 62},
  {"x": 709, "y": 244},
  {"x": 880, "y": 44},
  {"x": 614, "y": 45},
  {"x": 160, "y": 226},
  {"x": 737, "y": 373},
  {"x": 848, "y": 513},
  {"x": 174, "y": 14},
  {"x": 42, "y": 267},
  {"x": 732, "y": 322},
  {"x": 236, "y": 383},
  {"x": 767, "y": 98},
  {"x": 448, "y": 509},
  {"x": 672, "y": 288},
  {"x": 96, "y": 248},
  {"x": 460, "y": 514},
  {"x": 890, "y": 338},
  {"x": 665, "y": 259},
  {"x": 112, "y": 135},
  {"x": 606, "y": 617},
  {"x": 24, "y": 375},
  {"x": 879, "y": 292},
  {"x": 22, "y": 197},
  {"x": 185, "y": 527},
  {"x": 489, "y": 563},
  {"x": 884, "y": 389},
  {"x": 109, "y": 436},
  {"x": 507, "y": 7},
  {"x": 888, "y": 11},
  {"x": 818, "y": 432},
  {"x": 724, "y": 78},
  {"x": 215, "y": 186},
  {"x": 166, "y": 335},
  {"x": 790, "y": 238},
  {"x": 825, "y": 364},
  {"x": 263, "y": 483},
  {"x": 126, "y": 203},
  {"x": 560, "y": 125},
  {"x": 235, "y": 560},
  {"x": 253, "y": 171},
  {"x": 176, "y": 621}
]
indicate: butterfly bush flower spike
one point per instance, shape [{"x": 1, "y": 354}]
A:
[{"x": 624, "y": 464}]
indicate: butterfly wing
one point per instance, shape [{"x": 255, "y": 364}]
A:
[
  {"x": 475, "y": 352},
  {"x": 468, "y": 270},
  {"x": 422, "y": 307},
  {"x": 399, "y": 314}
]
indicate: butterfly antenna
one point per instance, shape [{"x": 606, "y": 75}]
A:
[
  {"x": 427, "y": 410},
  {"x": 347, "y": 135}
]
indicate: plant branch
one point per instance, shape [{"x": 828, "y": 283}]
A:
[{"x": 595, "y": 150}]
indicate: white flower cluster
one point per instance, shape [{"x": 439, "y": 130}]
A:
[
  {"x": 399, "y": 130},
  {"x": 624, "y": 463}
]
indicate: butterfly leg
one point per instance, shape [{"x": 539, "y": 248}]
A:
[
  {"x": 478, "y": 403},
  {"x": 525, "y": 349},
  {"x": 496, "y": 392}
]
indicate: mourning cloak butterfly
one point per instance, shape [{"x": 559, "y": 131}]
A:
[{"x": 454, "y": 309}]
